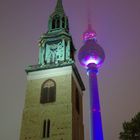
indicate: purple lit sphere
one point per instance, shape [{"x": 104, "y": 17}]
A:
[{"x": 91, "y": 53}]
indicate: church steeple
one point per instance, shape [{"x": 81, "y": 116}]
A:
[
  {"x": 56, "y": 46},
  {"x": 58, "y": 20},
  {"x": 53, "y": 103}
]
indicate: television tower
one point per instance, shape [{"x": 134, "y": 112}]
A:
[{"x": 91, "y": 56}]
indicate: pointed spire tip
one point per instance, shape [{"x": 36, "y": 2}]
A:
[{"x": 59, "y": 6}]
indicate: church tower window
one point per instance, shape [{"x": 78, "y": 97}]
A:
[
  {"x": 67, "y": 24},
  {"x": 46, "y": 129},
  {"x": 77, "y": 101},
  {"x": 48, "y": 92},
  {"x": 53, "y": 24},
  {"x": 58, "y": 23},
  {"x": 63, "y": 22}
]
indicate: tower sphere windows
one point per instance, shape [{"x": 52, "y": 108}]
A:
[{"x": 91, "y": 52}]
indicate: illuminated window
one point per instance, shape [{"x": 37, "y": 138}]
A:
[{"x": 48, "y": 92}]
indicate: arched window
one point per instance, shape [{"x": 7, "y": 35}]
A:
[
  {"x": 63, "y": 22},
  {"x": 53, "y": 24},
  {"x": 46, "y": 129},
  {"x": 67, "y": 24},
  {"x": 77, "y": 102},
  {"x": 58, "y": 23},
  {"x": 48, "y": 92}
]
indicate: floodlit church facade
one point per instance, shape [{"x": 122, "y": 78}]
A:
[{"x": 53, "y": 107}]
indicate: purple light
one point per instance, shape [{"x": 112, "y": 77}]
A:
[
  {"x": 90, "y": 60},
  {"x": 96, "y": 132},
  {"x": 91, "y": 52},
  {"x": 89, "y": 36},
  {"x": 91, "y": 56},
  {"x": 95, "y": 110}
]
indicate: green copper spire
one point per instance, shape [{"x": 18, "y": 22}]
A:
[
  {"x": 56, "y": 46},
  {"x": 58, "y": 20},
  {"x": 59, "y": 6}
]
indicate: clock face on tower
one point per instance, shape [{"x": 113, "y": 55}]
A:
[{"x": 54, "y": 52}]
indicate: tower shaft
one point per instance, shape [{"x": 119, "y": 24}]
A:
[
  {"x": 96, "y": 132},
  {"x": 91, "y": 56}
]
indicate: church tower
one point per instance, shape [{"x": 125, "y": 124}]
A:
[{"x": 53, "y": 103}]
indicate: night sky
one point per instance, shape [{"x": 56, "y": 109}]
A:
[{"x": 117, "y": 23}]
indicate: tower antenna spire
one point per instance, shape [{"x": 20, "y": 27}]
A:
[
  {"x": 89, "y": 14},
  {"x": 89, "y": 34},
  {"x": 91, "y": 56}
]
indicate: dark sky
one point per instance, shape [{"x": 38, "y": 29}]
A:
[{"x": 117, "y": 24}]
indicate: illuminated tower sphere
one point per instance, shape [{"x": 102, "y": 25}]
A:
[{"x": 91, "y": 56}]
